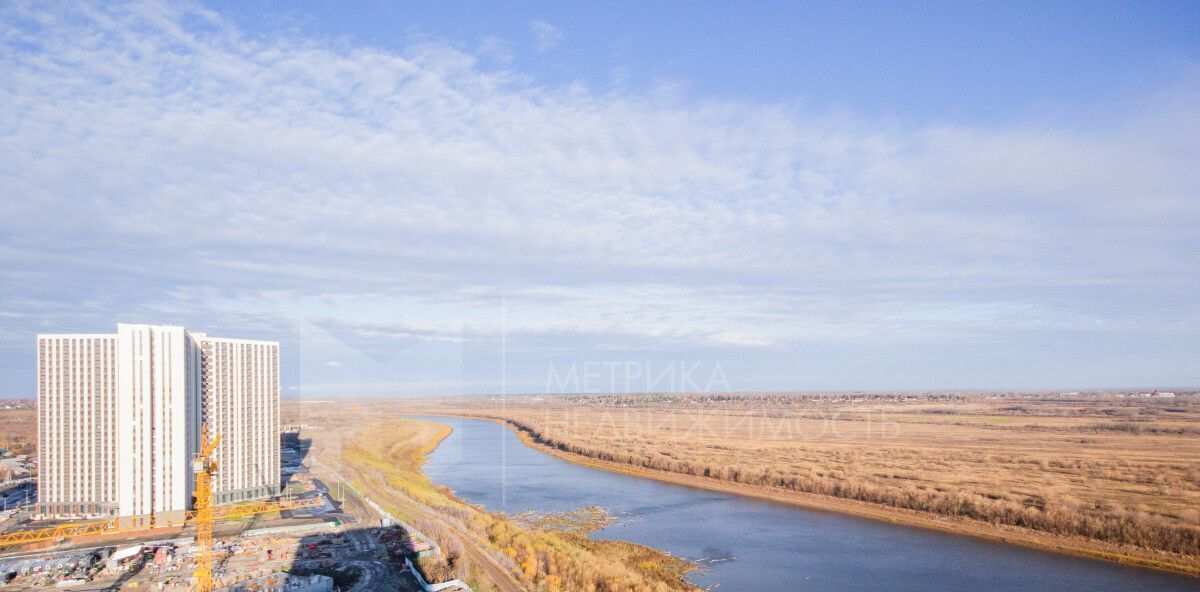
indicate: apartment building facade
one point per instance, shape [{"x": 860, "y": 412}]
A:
[
  {"x": 119, "y": 420},
  {"x": 241, "y": 403},
  {"x": 77, "y": 424}
]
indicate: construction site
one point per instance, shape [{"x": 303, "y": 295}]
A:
[
  {"x": 154, "y": 458},
  {"x": 319, "y": 536}
]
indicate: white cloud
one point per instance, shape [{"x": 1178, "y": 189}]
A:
[
  {"x": 546, "y": 35},
  {"x": 156, "y": 162},
  {"x": 495, "y": 48}
]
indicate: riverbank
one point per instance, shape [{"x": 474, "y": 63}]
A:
[
  {"x": 383, "y": 456},
  {"x": 1001, "y": 533},
  {"x": 746, "y": 544},
  {"x": 1075, "y": 546}
]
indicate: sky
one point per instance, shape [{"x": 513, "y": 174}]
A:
[{"x": 583, "y": 197}]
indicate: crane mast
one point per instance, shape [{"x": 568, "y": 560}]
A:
[{"x": 204, "y": 465}]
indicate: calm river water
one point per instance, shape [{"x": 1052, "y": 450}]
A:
[{"x": 748, "y": 544}]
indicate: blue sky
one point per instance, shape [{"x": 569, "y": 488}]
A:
[
  {"x": 945, "y": 61},
  {"x": 470, "y": 197}
]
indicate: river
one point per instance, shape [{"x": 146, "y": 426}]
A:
[{"x": 748, "y": 544}]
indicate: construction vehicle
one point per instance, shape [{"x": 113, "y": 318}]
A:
[{"x": 204, "y": 516}]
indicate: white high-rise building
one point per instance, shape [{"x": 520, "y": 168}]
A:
[
  {"x": 241, "y": 403},
  {"x": 158, "y": 395},
  {"x": 119, "y": 420},
  {"x": 77, "y": 424}
]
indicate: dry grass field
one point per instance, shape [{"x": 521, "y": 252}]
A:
[
  {"x": 1121, "y": 472},
  {"x": 18, "y": 425}
]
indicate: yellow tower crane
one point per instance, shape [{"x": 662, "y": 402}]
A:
[{"x": 204, "y": 466}]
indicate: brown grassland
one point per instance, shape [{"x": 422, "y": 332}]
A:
[
  {"x": 18, "y": 427},
  {"x": 1117, "y": 478}
]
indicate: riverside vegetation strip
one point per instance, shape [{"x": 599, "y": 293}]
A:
[
  {"x": 1115, "y": 478},
  {"x": 489, "y": 551}
]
